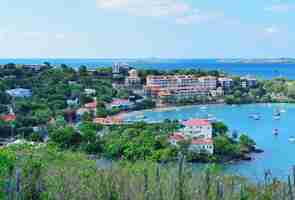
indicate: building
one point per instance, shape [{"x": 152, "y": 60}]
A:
[
  {"x": 120, "y": 69},
  {"x": 133, "y": 81},
  {"x": 179, "y": 86},
  {"x": 208, "y": 82},
  {"x": 73, "y": 101},
  {"x": 202, "y": 146},
  {"x": 172, "y": 81},
  {"x": 8, "y": 117},
  {"x": 89, "y": 92},
  {"x": 123, "y": 104},
  {"x": 19, "y": 92},
  {"x": 248, "y": 82},
  {"x": 108, "y": 121},
  {"x": 197, "y": 129},
  {"x": 33, "y": 67},
  {"x": 175, "y": 138},
  {"x": 225, "y": 83}
]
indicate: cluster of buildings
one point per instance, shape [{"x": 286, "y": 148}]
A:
[
  {"x": 198, "y": 132},
  {"x": 175, "y": 87},
  {"x": 184, "y": 86}
]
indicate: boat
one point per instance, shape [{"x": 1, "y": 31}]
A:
[
  {"x": 282, "y": 110},
  {"x": 276, "y": 117},
  {"x": 203, "y": 107},
  {"x": 291, "y": 139},
  {"x": 255, "y": 116},
  {"x": 276, "y": 131},
  {"x": 277, "y": 113}
]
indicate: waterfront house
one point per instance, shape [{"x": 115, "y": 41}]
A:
[
  {"x": 202, "y": 146},
  {"x": 123, "y": 104},
  {"x": 108, "y": 121},
  {"x": 19, "y": 92},
  {"x": 197, "y": 128}
]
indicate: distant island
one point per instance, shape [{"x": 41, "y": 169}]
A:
[{"x": 259, "y": 60}]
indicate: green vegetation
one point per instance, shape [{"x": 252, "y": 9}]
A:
[{"x": 44, "y": 172}]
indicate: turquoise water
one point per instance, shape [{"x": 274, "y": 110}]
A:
[{"x": 279, "y": 154}]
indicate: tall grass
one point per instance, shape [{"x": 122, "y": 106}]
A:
[{"x": 65, "y": 175}]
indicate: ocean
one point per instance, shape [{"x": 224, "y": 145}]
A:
[{"x": 259, "y": 70}]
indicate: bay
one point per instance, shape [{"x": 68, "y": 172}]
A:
[{"x": 279, "y": 155}]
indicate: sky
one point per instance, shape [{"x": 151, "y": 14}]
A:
[{"x": 147, "y": 28}]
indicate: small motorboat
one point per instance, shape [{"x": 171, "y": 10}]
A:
[
  {"x": 255, "y": 116},
  {"x": 203, "y": 107},
  {"x": 276, "y": 117},
  {"x": 277, "y": 113},
  {"x": 292, "y": 139}
]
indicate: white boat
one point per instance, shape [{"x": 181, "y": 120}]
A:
[
  {"x": 276, "y": 117},
  {"x": 203, "y": 107},
  {"x": 291, "y": 139},
  {"x": 282, "y": 110}
]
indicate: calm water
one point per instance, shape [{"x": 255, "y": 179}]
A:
[
  {"x": 279, "y": 154},
  {"x": 265, "y": 71}
]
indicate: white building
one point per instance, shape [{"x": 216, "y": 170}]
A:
[
  {"x": 89, "y": 91},
  {"x": 248, "y": 82},
  {"x": 202, "y": 145},
  {"x": 208, "y": 82},
  {"x": 225, "y": 82},
  {"x": 197, "y": 129},
  {"x": 133, "y": 81}
]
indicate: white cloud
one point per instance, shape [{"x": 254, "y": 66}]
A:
[
  {"x": 271, "y": 30},
  {"x": 153, "y": 8},
  {"x": 198, "y": 17},
  {"x": 281, "y": 8},
  {"x": 60, "y": 36}
]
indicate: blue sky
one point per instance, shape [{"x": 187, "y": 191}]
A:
[{"x": 147, "y": 28}]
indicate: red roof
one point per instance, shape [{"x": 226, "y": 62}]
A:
[
  {"x": 176, "y": 136},
  {"x": 8, "y": 118},
  {"x": 91, "y": 105},
  {"x": 202, "y": 141},
  {"x": 196, "y": 122}
]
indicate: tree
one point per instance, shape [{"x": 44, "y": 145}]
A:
[
  {"x": 246, "y": 141},
  {"x": 219, "y": 128},
  {"x": 65, "y": 137}
]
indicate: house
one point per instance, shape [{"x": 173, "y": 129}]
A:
[
  {"x": 120, "y": 69},
  {"x": 33, "y": 67},
  {"x": 202, "y": 145},
  {"x": 123, "y": 104},
  {"x": 73, "y": 102},
  {"x": 197, "y": 128},
  {"x": 108, "y": 121},
  {"x": 175, "y": 138},
  {"x": 19, "y": 92},
  {"x": 90, "y": 92},
  {"x": 8, "y": 117}
]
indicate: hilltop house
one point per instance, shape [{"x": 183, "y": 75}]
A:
[{"x": 199, "y": 132}]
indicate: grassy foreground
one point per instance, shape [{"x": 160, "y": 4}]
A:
[{"x": 44, "y": 172}]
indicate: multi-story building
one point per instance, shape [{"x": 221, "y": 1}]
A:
[
  {"x": 197, "y": 129},
  {"x": 209, "y": 82},
  {"x": 225, "y": 83},
  {"x": 133, "y": 81},
  {"x": 178, "y": 87},
  {"x": 199, "y": 132},
  {"x": 120, "y": 69},
  {"x": 248, "y": 82}
]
